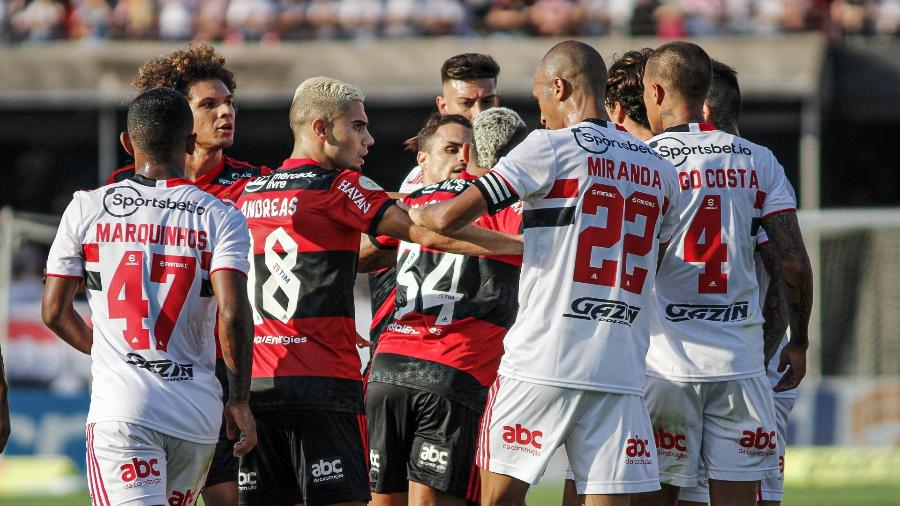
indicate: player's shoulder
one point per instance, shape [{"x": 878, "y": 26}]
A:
[
  {"x": 234, "y": 170},
  {"x": 121, "y": 174}
]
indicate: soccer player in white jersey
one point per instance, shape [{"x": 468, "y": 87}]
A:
[
  {"x": 595, "y": 201},
  {"x": 706, "y": 386},
  {"x": 723, "y": 108},
  {"x": 153, "y": 251}
]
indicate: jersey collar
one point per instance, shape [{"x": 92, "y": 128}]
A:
[
  {"x": 208, "y": 177},
  {"x": 693, "y": 127},
  {"x": 467, "y": 176},
  {"x": 293, "y": 163},
  {"x": 159, "y": 183},
  {"x": 605, "y": 124}
]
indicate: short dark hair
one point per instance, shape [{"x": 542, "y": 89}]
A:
[
  {"x": 469, "y": 66},
  {"x": 625, "y": 85},
  {"x": 159, "y": 120},
  {"x": 181, "y": 69},
  {"x": 724, "y": 97},
  {"x": 435, "y": 121},
  {"x": 686, "y": 67}
]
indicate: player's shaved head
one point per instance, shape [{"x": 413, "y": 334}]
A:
[
  {"x": 159, "y": 123},
  {"x": 577, "y": 63},
  {"x": 684, "y": 68},
  {"x": 321, "y": 97},
  {"x": 724, "y": 97},
  {"x": 494, "y": 133}
]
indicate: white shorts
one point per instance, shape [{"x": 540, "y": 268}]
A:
[
  {"x": 133, "y": 465},
  {"x": 607, "y": 436},
  {"x": 770, "y": 489},
  {"x": 728, "y": 425}
]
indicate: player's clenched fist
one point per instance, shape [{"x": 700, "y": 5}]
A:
[{"x": 239, "y": 418}]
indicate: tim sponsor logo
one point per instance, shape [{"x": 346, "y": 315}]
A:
[
  {"x": 166, "y": 369},
  {"x": 434, "y": 457},
  {"x": 327, "y": 470},
  {"x": 637, "y": 451},
  {"x": 603, "y": 310},
  {"x": 758, "y": 443},
  {"x": 122, "y": 201},
  {"x": 735, "y": 312},
  {"x": 247, "y": 481},
  {"x": 670, "y": 445},
  {"x": 520, "y": 439}
]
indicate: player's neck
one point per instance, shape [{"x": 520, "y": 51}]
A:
[
  {"x": 201, "y": 162},
  {"x": 636, "y": 129},
  {"x": 312, "y": 151},
  {"x": 680, "y": 114},
  {"x": 158, "y": 170}
]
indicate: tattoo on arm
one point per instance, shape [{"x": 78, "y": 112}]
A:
[
  {"x": 775, "y": 306},
  {"x": 784, "y": 234}
]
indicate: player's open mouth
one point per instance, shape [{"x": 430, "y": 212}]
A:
[{"x": 227, "y": 128}]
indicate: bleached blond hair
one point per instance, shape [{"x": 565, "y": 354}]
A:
[
  {"x": 322, "y": 97},
  {"x": 495, "y": 132}
]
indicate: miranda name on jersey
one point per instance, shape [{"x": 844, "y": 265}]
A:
[{"x": 623, "y": 171}]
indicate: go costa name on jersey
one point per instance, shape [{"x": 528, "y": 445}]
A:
[
  {"x": 708, "y": 325},
  {"x": 146, "y": 250},
  {"x": 595, "y": 201},
  {"x": 305, "y": 224},
  {"x": 452, "y": 311}
]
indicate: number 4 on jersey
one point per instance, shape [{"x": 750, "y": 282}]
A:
[{"x": 703, "y": 244}]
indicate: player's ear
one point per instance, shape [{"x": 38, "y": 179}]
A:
[
  {"x": 191, "y": 144},
  {"x": 318, "y": 126},
  {"x": 707, "y": 112},
  {"x": 561, "y": 89},
  {"x": 658, "y": 93},
  {"x": 467, "y": 153},
  {"x": 125, "y": 140},
  {"x": 441, "y": 104},
  {"x": 421, "y": 158}
]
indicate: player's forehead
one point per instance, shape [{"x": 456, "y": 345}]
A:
[
  {"x": 208, "y": 88},
  {"x": 451, "y": 133},
  {"x": 473, "y": 89},
  {"x": 354, "y": 114}
]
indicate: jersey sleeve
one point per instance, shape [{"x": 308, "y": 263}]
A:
[
  {"x": 670, "y": 218},
  {"x": 779, "y": 194},
  {"x": 384, "y": 242},
  {"x": 526, "y": 173},
  {"x": 357, "y": 202},
  {"x": 66, "y": 258},
  {"x": 232, "y": 246}
]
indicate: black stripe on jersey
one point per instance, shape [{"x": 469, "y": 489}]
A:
[
  {"x": 326, "y": 284},
  {"x": 496, "y": 192},
  {"x": 123, "y": 175},
  {"x": 206, "y": 289},
  {"x": 306, "y": 392},
  {"x": 373, "y": 225},
  {"x": 92, "y": 281},
  {"x": 305, "y": 177},
  {"x": 552, "y": 217},
  {"x": 378, "y": 244}
]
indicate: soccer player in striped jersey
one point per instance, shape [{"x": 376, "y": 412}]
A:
[
  {"x": 705, "y": 361},
  {"x": 153, "y": 251},
  {"x": 595, "y": 207},
  {"x": 199, "y": 74},
  {"x": 437, "y": 357}
]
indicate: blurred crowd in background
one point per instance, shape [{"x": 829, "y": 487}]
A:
[{"x": 267, "y": 21}]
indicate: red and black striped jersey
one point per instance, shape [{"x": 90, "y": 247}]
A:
[
  {"x": 226, "y": 182},
  {"x": 305, "y": 225},
  {"x": 452, "y": 311}
]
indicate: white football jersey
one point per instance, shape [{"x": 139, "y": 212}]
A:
[
  {"x": 595, "y": 200},
  {"x": 708, "y": 324},
  {"x": 145, "y": 249},
  {"x": 413, "y": 181},
  {"x": 763, "y": 279}
]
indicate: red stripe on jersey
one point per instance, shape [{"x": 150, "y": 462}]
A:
[
  {"x": 620, "y": 128},
  {"x": 91, "y": 252},
  {"x": 707, "y": 127},
  {"x": 205, "y": 260},
  {"x": 386, "y": 308},
  {"x": 474, "y": 489},
  {"x": 760, "y": 200},
  {"x": 470, "y": 345},
  {"x": 665, "y": 206},
  {"x": 327, "y": 348},
  {"x": 364, "y": 434},
  {"x": 102, "y": 498},
  {"x": 563, "y": 189}
]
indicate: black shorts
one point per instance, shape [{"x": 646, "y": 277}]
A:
[
  {"x": 224, "y": 466},
  {"x": 423, "y": 437},
  {"x": 312, "y": 456}
]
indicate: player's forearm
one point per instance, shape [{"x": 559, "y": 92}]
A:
[
  {"x": 784, "y": 234},
  {"x": 236, "y": 338},
  {"x": 775, "y": 314},
  {"x": 449, "y": 217},
  {"x": 66, "y": 323},
  {"x": 470, "y": 240}
]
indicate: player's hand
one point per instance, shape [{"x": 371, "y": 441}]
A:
[
  {"x": 793, "y": 359},
  {"x": 239, "y": 418},
  {"x": 361, "y": 342}
]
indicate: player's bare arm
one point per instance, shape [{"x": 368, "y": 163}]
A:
[
  {"x": 235, "y": 336},
  {"x": 4, "y": 407},
  {"x": 372, "y": 258},
  {"x": 450, "y": 216},
  {"x": 784, "y": 234},
  {"x": 775, "y": 304},
  {"x": 465, "y": 240},
  {"x": 58, "y": 313}
]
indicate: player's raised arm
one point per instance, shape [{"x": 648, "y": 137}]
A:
[
  {"x": 450, "y": 216},
  {"x": 784, "y": 234}
]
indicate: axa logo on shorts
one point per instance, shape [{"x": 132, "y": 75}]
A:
[
  {"x": 247, "y": 480},
  {"x": 434, "y": 457},
  {"x": 326, "y": 470},
  {"x": 179, "y": 498},
  {"x": 637, "y": 451},
  {"x": 759, "y": 440},
  {"x": 521, "y": 439},
  {"x": 139, "y": 469},
  {"x": 122, "y": 201}
]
